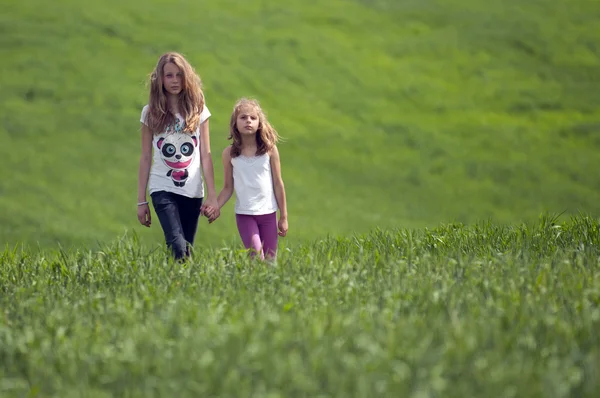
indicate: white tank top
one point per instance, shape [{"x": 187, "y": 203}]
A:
[{"x": 253, "y": 185}]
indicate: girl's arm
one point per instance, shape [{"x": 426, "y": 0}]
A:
[
  {"x": 227, "y": 190},
  {"x": 143, "y": 175},
  {"x": 207, "y": 168},
  {"x": 279, "y": 191}
]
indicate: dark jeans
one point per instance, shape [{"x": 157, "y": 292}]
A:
[{"x": 178, "y": 216}]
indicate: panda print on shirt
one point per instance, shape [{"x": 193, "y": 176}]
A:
[{"x": 177, "y": 151}]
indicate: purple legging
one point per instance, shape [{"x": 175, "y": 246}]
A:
[{"x": 258, "y": 233}]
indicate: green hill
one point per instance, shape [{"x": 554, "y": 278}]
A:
[{"x": 404, "y": 114}]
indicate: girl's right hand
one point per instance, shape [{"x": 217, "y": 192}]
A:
[
  {"x": 143, "y": 214},
  {"x": 282, "y": 226},
  {"x": 212, "y": 214}
]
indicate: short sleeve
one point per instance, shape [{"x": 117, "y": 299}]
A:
[
  {"x": 143, "y": 117},
  {"x": 205, "y": 114}
]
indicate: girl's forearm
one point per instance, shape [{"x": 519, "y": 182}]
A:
[
  {"x": 143, "y": 175},
  {"x": 224, "y": 196},
  {"x": 281, "y": 201},
  {"x": 209, "y": 174}
]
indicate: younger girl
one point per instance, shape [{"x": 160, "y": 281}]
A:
[
  {"x": 175, "y": 128},
  {"x": 252, "y": 168}
]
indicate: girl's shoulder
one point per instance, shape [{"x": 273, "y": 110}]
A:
[
  {"x": 273, "y": 151},
  {"x": 204, "y": 114},
  {"x": 227, "y": 151},
  {"x": 144, "y": 114}
]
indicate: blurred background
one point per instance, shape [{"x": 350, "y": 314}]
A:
[{"x": 406, "y": 114}]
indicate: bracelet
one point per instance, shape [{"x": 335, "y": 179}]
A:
[{"x": 142, "y": 203}]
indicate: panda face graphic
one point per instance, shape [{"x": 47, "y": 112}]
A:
[{"x": 177, "y": 150}]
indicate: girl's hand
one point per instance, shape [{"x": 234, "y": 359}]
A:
[
  {"x": 209, "y": 206},
  {"x": 210, "y": 212},
  {"x": 143, "y": 213},
  {"x": 282, "y": 225},
  {"x": 213, "y": 215}
]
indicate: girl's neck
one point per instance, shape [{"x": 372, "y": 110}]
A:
[
  {"x": 248, "y": 147},
  {"x": 173, "y": 103},
  {"x": 248, "y": 141}
]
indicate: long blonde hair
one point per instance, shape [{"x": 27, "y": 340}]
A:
[
  {"x": 190, "y": 101},
  {"x": 266, "y": 135}
]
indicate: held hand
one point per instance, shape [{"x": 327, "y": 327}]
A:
[
  {"x": 207, "y": 211},
  {"x": 282, "y": 225},
  {"x": 143, "y": 214},
  {"x": 208, "y": 206},
  {"x": 211, "y": 201},
  {"x": 210, "y": 209},
  {"x": 214, "y": 215}
]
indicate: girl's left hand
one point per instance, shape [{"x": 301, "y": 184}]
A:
[
  {"x": 282, "y": 225},
  {"x": 210, "y": 208},
  {"x": 213, "y": 215}
]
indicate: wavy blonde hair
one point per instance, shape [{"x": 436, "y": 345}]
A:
[
  {"x": 266, "y": 135},
  {"x": 191, "y": 98}
]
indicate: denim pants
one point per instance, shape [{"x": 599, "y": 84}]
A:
[{"x": 178, "y": 216}]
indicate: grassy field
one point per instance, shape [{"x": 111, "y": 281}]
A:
[
  {"x": 485, "y": 310},
  {"x": 395, "y": 113},
  {"x": 423, "y": 139}
]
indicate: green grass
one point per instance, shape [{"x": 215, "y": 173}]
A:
[
  {"x": 396, "y": 113},
  {"x": 407, "y": 124},
  {"x": 485, "y": 310}
]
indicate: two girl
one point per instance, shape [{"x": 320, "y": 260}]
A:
[{"x": 176, "y": 163}]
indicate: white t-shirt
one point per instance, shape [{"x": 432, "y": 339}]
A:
[
  {"x": 253, "y": 185},
  {"x": 176, "y": 165}
]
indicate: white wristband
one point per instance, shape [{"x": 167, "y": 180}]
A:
[{"x": 142, "y": 203}]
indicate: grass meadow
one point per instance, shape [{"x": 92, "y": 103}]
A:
[
  {"x": 456, "y": 311},
  {"x": 440, "y": 162},
  {"x": 395, "y": 113}
]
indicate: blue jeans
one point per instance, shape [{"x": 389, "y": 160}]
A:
[{"x": 178, "y": 216}]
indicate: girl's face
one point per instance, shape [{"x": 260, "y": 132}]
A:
[
  {"x": 172, "y": 78},
  {"x": 247, "y": 121}
]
